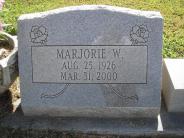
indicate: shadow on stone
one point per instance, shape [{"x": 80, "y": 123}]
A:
[{"x": 6, "y": 105}]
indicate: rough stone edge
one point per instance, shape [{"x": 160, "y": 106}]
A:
[
  {"x": 34, "y": 133},
  {"x": 109, "y": 112},
  {"x": 147, "y": 14}
]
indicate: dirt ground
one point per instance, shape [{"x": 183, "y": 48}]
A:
[{"x": 9, "y": 97}]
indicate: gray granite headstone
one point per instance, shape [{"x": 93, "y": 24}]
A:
[{"x": 91, "y": 61}]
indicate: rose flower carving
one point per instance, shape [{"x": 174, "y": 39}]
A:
[
  {"x": 39, "y": 34},
  {"x": 139, "y": 34}
]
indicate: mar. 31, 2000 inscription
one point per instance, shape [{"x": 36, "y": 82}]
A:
[{"x": 90, "y": 64}]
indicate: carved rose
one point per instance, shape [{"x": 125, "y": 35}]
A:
[
  {"x": 38, "y": 34},
  {"x": 139, "y": 34}
]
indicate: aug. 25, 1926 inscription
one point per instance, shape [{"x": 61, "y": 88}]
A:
[{"x": 90, "y": 64}]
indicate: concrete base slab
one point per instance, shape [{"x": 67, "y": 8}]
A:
[{"x": 18, "y": 125}]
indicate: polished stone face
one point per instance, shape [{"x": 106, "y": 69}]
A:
[{"x": 91, "y": 61}]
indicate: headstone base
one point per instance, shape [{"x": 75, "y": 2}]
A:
[{"x": 166, "y": 125}]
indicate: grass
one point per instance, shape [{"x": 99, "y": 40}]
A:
[{"x": 172, "y": 11}]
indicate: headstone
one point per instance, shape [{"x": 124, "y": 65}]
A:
[
  {"x": 91, "y": 61},
  {"x": 173, "y": 84}
]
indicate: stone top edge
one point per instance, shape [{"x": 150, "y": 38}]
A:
[{"x": 148, "y": 14}]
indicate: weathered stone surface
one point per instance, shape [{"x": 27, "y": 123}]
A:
[
  {"x": 124, "y": 85},
  {"x": 173, "y": 84}
]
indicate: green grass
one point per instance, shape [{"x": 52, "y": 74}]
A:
[{"x": 172, "y": 11}]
